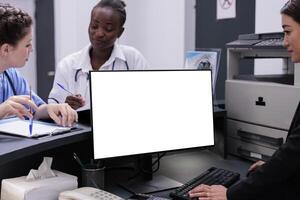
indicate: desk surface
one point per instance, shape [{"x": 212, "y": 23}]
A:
[
  {"x": 13, "y": 147},
  {"x": 187, "y": 165},
  {"x": 183, "y": 166}
]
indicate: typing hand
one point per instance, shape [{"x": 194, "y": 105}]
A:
[
  {"x": 15, "y": 106},
  {"x": 76, "y": 101},
  {"x": 254, "y": 166},
  {"x": 205, "y": 192}
]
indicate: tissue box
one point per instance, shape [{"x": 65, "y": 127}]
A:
[{"x": 42, "y": 189}]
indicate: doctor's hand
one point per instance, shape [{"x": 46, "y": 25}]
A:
[
  {"x": 76, "y": 101},
  {"x": 15, "y": 106},
  {"x": 205, "y": 192},
  {"x": 62, "y": 114}
]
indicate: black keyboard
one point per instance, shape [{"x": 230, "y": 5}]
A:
[{"x": 213, "y": 176}]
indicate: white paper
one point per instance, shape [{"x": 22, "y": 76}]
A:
[
  {"x": 20, "y": 127},
  {"x": 226, "y": 9}
]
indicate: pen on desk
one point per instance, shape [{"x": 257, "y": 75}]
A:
[
  {"x": 30, "y": 110},
  {"x": 62, "y": 87}
]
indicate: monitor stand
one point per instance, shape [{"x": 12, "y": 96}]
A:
[
  {"x": 158, "y": 183},
  {"x": 148, "y": 183}
]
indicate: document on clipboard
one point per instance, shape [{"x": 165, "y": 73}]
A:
[{"x": 16, "y": 126}]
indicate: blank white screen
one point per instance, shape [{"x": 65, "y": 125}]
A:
[{"x": 135, "y": 112}]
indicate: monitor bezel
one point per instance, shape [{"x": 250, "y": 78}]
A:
[{"x": 154, "y": 152}]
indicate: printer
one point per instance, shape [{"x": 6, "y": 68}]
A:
[{"x": 259, "y": 108}]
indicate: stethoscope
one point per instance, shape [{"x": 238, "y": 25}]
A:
[
  {"x": 5, "y": 74},
  {"x": 87, "y": 75}
]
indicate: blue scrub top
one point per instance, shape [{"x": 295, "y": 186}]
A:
[{"x": 19, "y": 83}]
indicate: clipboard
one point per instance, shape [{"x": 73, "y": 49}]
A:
[{"x": 18, "y": 127}]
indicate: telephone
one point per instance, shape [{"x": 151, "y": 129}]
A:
[{"x": 88, "y": 193}]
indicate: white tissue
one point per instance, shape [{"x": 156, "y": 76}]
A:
[{"x": 44, "y": 171}]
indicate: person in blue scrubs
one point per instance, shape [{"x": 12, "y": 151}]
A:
[{"x": 15, "y": 47}]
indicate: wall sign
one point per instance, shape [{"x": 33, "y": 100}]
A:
[{"x": 226, "y": 9}]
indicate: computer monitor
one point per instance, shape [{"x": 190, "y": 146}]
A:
[{"x": 141, "y": 112}]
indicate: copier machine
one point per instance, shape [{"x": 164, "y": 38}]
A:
[{"x": 259, "y": 108}]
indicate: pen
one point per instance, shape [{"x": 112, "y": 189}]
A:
[
  {"x": 30, "y": 110},
  {"x": 30, "y": 126},
  {"x": 78, "y": 160},
  {"x": 62, "y": 87}
]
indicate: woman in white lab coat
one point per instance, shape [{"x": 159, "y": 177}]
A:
[{"x": 71, "y": 84}]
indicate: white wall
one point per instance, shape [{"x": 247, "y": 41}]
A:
[
  {"x": 157, "y": 28},
  {"x": 71, "y": 25},
  {"x": 190, "y": 25},
  {"x": 268, "y": 19},
  {"x": 29, "y": 70}
]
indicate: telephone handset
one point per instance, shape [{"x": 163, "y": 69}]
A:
[{"x": 88, "y": 193}]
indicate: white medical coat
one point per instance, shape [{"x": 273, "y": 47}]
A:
[{"x": 67, "y": 67}]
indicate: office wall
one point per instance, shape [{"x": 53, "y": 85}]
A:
[
  {"x": 29, "y": 70},
  {"x": 45, "y": 46},
  {"x": 161, "y": 30},
  {"x": 71, "y": 25},
  {"x": 268, "y": 19},
  {"x": 213, "y": 33}
]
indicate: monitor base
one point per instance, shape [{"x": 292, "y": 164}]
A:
[{"x": 158, "y": 183}]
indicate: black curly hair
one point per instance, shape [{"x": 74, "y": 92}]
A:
[
  {"x": 117, "y": 5},
  {"x": 14, "y": 24}
]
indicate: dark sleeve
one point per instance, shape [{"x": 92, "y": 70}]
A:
[{"x": 282, "y": 166}]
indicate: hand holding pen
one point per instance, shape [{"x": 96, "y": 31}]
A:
[
  {"x": 74, "y": 100},
  {"x": 17, "y": 106}
]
